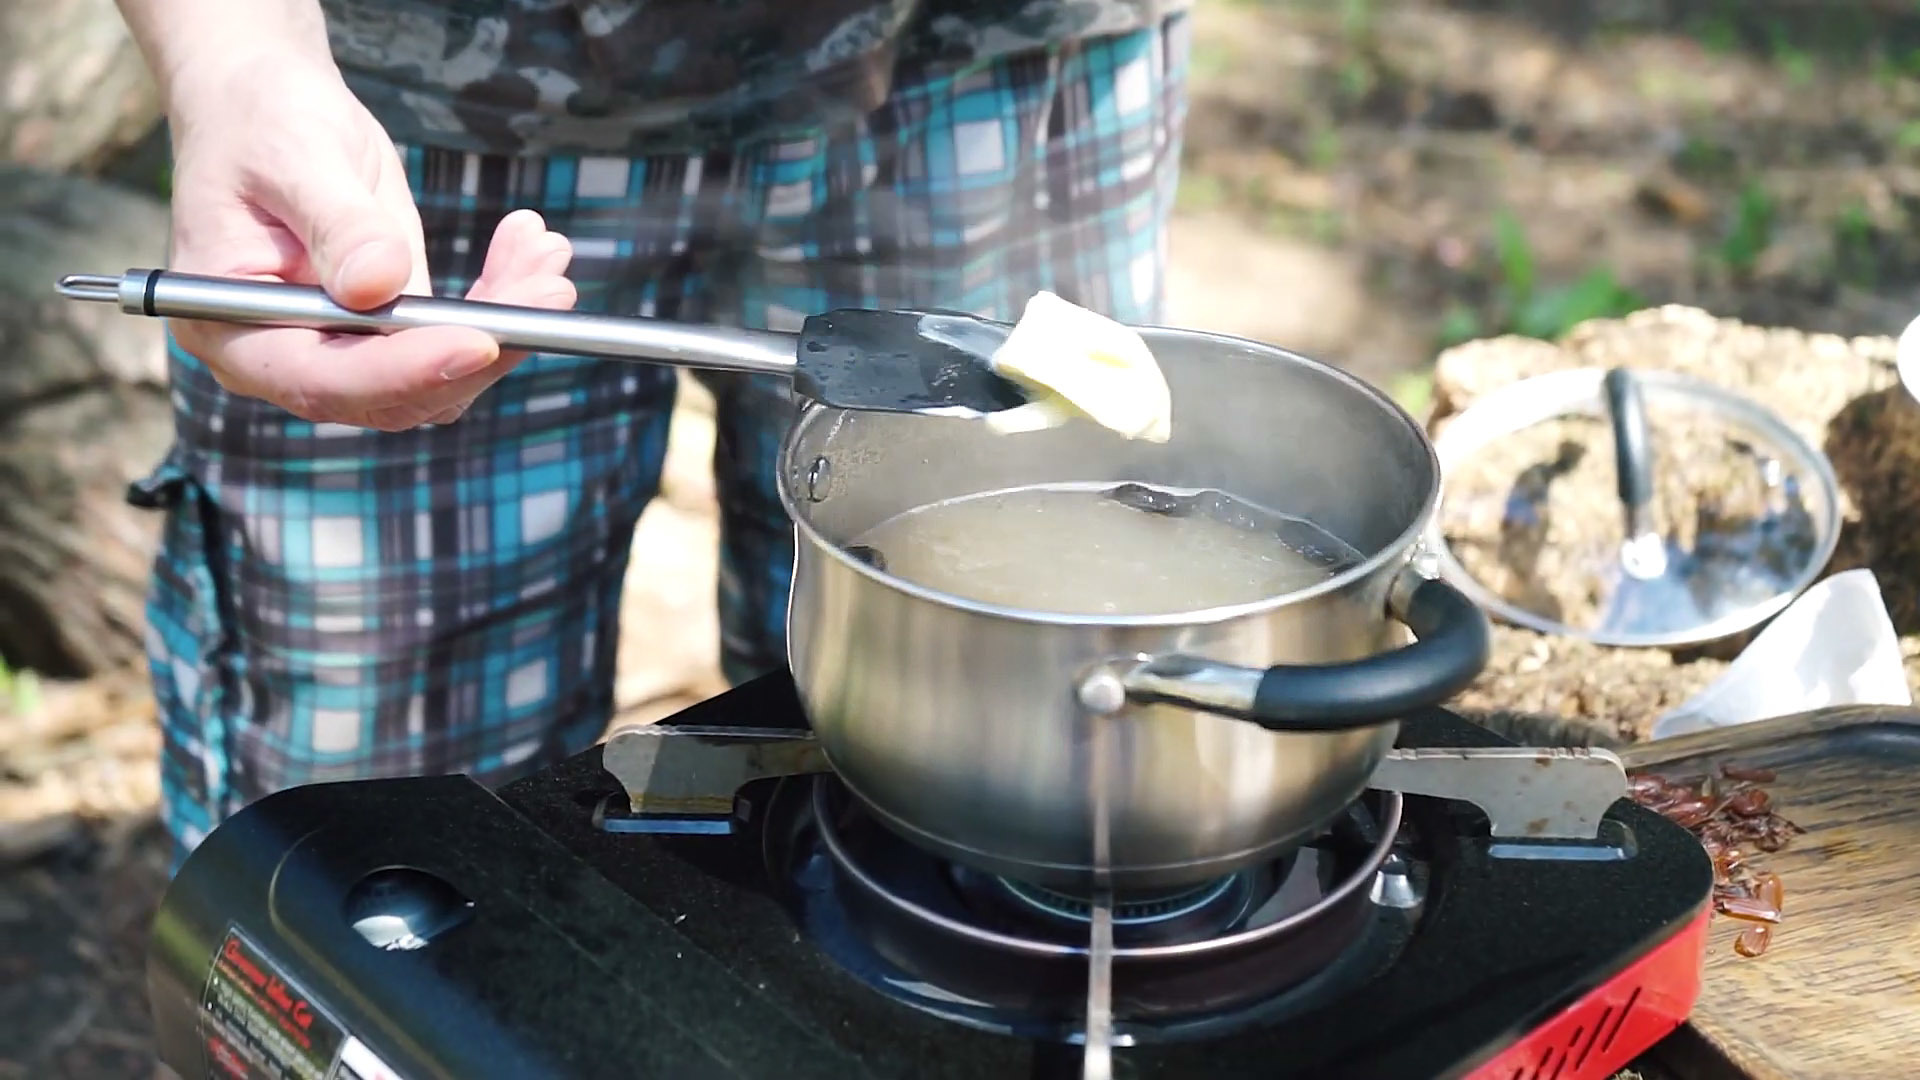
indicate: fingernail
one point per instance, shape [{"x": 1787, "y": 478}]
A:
[
  {"x": 447, "y": 416},
  {"x": 469, "y": 364}
]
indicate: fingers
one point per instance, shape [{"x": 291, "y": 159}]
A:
[
  {"x": 362, "y": 252},
  {"x": 393, "y": 190},
  {"x": 526, "y": 264},
  {"x": 408, "y": 417},
  {"x": 390, "y": 383},
  {"x": 402, "y": 380}
]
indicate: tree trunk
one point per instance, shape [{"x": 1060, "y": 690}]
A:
[
  {"x": 73, "y": 89},
  {"x": 83, "y": 412}
]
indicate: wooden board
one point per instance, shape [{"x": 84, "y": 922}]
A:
[{"x": 1837, "y": 997}]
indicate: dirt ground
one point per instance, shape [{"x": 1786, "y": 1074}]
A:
[
  {"x": 1366, "y": 181},
  {"x": 1383, "y": 175}
]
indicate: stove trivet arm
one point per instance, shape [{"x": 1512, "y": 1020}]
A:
[
  {"x": 1535, "y": 793},
  {"x": 697, "y": 769},
  {"x": 1097, "y": 1061}
]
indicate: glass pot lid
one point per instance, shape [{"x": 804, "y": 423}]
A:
[{"x": 1631, "y": 508}]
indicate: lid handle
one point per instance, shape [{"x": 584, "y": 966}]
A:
[{"x": 1632, "y": 450}]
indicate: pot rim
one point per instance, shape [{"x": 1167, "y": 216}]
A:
[{"x": 1388, "y": 555}]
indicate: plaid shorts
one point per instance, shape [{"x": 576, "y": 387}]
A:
[{"x": 335, "y": 603}]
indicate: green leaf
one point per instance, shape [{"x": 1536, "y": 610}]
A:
[
  {"x": 1598, "y": 295},
  {"x": 1357, "y": 19},
  {"x": 1458, "y": 326},
  {"x": 1515, "y": 256},
  {"x": 26, "y": 693},
  {"x": 1413, "y": 390},
  {"x": 1752, "y": 231}
]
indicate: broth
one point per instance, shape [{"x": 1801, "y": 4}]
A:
[{"x": 1093, "y": 549}]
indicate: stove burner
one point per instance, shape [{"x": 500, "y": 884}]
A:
[
  {"x": 1196, "y": 914},
  {"x": 1010, "y": 956},
  {"x": 1126, "y": 912}
]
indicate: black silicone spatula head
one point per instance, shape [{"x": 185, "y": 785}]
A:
[{"x": 903, "y": 361}]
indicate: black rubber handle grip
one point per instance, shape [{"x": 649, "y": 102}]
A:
[
  {"x": 1632, "y": 446},
  {"x": 1454, "y": 641}
]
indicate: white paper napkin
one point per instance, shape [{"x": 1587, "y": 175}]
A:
[
  {"x": 1835, "y": 645},
  {"x": 1906, "y": 358}
]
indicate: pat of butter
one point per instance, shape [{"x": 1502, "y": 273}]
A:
[{"x": 1076, "y": 362}]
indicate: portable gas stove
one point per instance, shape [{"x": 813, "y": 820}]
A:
[{"x": 701, "y": 898}]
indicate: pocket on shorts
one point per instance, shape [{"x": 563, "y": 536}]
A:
[{"x": 186, "y": 638}]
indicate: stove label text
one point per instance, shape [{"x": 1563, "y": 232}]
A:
[{"x": 259, "y": 1025}]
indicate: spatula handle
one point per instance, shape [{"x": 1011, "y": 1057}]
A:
[{"x": 172, "y": 295}]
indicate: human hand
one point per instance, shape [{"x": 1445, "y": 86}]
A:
[{"x": 282, "y": 175}]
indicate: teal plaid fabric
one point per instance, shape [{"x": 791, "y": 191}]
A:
[{"x": 335, "y": 603}]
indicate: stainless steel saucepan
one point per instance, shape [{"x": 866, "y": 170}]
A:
[
  {"x": 1132, "y": 753},
  {"x": 1109, "y": 754}
]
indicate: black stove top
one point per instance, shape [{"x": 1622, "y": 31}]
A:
[{"x": 547, "y": 945}]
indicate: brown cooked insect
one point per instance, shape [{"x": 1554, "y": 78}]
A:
[
  {"x": 1747, "y": 909},
  {"x": 1646, "y": 784},
  {"x": 1753, "y": 940},
  {"x": 1732, "y": 817},
  {"x": 1689, "y": 812}
]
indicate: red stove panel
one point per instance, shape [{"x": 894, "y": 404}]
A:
[{"x": 1597, "y": 1036}]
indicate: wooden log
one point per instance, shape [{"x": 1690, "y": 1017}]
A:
[{"x": 83, "y": 412}]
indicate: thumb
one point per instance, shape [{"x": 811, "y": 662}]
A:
[{"x": 361, "y": 253}]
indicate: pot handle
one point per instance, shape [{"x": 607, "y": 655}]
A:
[{"x": 1454, "y": 642}]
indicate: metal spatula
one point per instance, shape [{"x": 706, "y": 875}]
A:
[{"x": 880, "y": 361}]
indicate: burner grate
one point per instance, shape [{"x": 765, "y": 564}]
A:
[
  {"x": 1126, "y": 912},
  {"x": 1010, "y": 956}
]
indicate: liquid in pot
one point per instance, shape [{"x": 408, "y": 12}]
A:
[{"x": 1094, "y": 549}]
